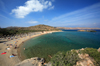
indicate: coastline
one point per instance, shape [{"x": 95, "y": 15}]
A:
[
  {"x": 18, "y": 50},
  {"x": 21, "y": 58},
  {"x": 5, "y": 60}
]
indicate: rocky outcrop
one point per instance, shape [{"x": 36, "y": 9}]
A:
[
  {"x": 37, "y": 27},
  {"x": 33, "y": 62},
  {"x": 80, "y": 57},
  {"x": 99, "y": 50},
  {"x": 86, "y": 60},
  {"x": 43, "y": 27}
]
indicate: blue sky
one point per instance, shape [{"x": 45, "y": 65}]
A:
[{"x": 57, "y": 13}]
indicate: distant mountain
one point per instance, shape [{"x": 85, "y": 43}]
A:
[{"x": 69, "y": 28}]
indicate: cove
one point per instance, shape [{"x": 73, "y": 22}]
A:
[{"x": 50, "y": 44}]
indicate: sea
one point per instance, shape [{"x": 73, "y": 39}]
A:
[{"x": 50, "y": 44}]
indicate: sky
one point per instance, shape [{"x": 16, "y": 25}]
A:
[{"x": 57, "y": 13}]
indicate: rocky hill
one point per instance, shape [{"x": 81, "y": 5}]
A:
[
  {"x": 21, "y": 30},
  {"x": 42, "y": 27},
  {"x": 80, "y": 57},
  {"x": 37, "y": 27}
]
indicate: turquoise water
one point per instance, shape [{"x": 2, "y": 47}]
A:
[{"x": 49, "y": 44}]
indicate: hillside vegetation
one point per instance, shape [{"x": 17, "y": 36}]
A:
[
  {"x": 81, "y": 57},
  {"x": 42, "y": 27},
  {"x": 21, "y": 30},
  {"x": 68, "y": 58}
]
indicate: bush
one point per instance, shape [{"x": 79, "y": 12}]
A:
[{"x": 65, "y": 59}]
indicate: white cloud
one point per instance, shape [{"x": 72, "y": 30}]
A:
[
  {"x": 31, "y": 6},
  {"x": 50, "y": 4},
  {"x": 85, "y": 13},
  {"x": 2, "y": 4},
  {"x": 51, "y": 8},
  {"x": 2, "y": 16},
  {"x": 90, "y": 15},
  {"x": 53, "y": 0},
  {"x": 45, "y": 20},
  {"x": 32, "y": 22}
]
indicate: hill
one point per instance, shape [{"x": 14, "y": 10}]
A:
[
  {"x": 77, "y": 28},
  {"x": 37, "y": 27},
  {"x": 42, "y": 27},
  {"x": 21, "y": 30}
]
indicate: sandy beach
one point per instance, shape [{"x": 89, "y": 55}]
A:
[{"x": 5, "y": 59}]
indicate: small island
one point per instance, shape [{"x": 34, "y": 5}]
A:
[
  {"x": 87, "y": 30},
  {"x": 91, "y": 30}
]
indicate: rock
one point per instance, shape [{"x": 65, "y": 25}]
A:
[
  {"x": 86, "y": 60},
  {"x": 99, "y": 50},
  {"x": 87, "y": 55},
  {"x": 48, "y": 64},
  {"x": 32, "y": 62},
  {"x": 82, "y": 56},
  {"x": 82, "y": 49},
  {"x": 77, "y": 51}
]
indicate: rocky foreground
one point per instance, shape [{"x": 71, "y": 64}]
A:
[
  {"x": 33, "y": 62},
  {"x": 81, "y": 57}
]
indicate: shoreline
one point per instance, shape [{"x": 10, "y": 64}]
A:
[
  {"x": 18, "y": 50},
  {"x": 5, "y": 60}
]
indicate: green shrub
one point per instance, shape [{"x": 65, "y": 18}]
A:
[{"x": 65, "y": 59}]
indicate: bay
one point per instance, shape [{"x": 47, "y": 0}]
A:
[{"x": 50, "y": 44}]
